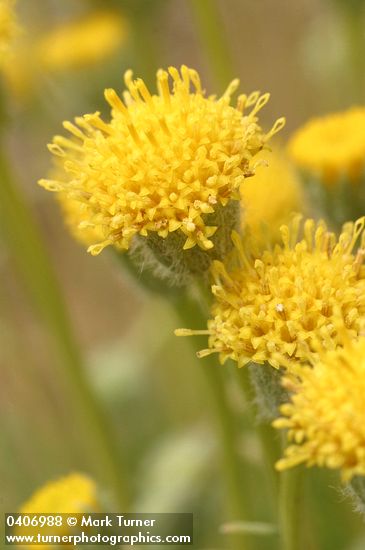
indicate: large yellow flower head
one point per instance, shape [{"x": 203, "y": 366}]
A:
[
  {"x": 332, "y": 147},
  {"x": 325, "y": 417},
  {"x": 163, "y": 163},
  {"x": 270, "y": 197},
  {"x": 276, "y": 304}
]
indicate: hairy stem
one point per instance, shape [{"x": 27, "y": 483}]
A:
[{"x": 265, "y": 433}]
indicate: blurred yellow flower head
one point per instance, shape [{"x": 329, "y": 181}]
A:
[
  {"x": 325, "y": 417},
  {"x": 81, "y": 43},
  {"x": 270, "y": 197},
  {"x": 75, "y": 493},
  {"x": 163, "y": 162},
  {"x": 276, "y": 304},
  {"x": 8, "y": 27},
  {"x": 72, "y": 45},
  {"x": 332, "y": 147}
]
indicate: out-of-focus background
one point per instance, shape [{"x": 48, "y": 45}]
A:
[{"x": 149, "y": 382}]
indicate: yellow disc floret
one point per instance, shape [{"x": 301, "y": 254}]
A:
[
  {"x": 332, "y": 147},
  {"x": 163, "y": 162},
  {"x": 325, "y": 417},
  {"x": 276, "y": 304},
  {"x": 270, "y": 197}
]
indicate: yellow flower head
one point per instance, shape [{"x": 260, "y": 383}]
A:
[
  {"x": 325, "y": 417},
  {"x": 81, "y": 43},
  {"x": 276, "y": 304},
  {"x": 332, "y": 147},
  {"x": 75, "y": 494},
  {"x": 163, "y": 163},
  {"x": 270, "y": 197},
  {"x": 8, "y": 27}
]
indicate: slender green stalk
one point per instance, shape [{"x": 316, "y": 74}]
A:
[
  {"x": 192, "y": 314},
  {"x": 265, "y": 433},
  {"x": 352, "y": 14},
  {"x": 211, "y": 30},
  {"x": 143, "y": 17},
  {"x": 354, "y": 27},
  {"x": 290, "y": 508},
  {"x": 28, "y": 251}
]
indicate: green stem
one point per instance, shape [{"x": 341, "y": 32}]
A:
[
  {"x": 354, "y": 28},
  {"x": 265, "y": 433},
  {"x": 192, "y": 314},
  {"x": 289, "y": 508},
  {"x": 143, "y": 17},
  {"x": 31, "y": 258},
  {"x": 286, "y": 486},
  {"x": 209, "y": 26}
]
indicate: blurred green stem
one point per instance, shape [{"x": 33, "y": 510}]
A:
[
  {"x": 352, "y": 14},
  {"x": 354, "y": 24},
  {"x": 144, "y": 44},
  {"x": 192, "y": 314},
  {"x": 29, "y": 253},
  {"x": 265, "y": 433},
  {"x": 211, "y": 30},
  {"x": 289, "y": 508}
]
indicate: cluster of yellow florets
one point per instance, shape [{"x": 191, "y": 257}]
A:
[
  {"x": 325, "y": 418},
  {"x": 163, "y": 162},
  {"x": 332, "y": 147},
  {"x": 76, "y": 215},
  {"x": 168, "y": 163},
  {"x": 277, "y": 304}
]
